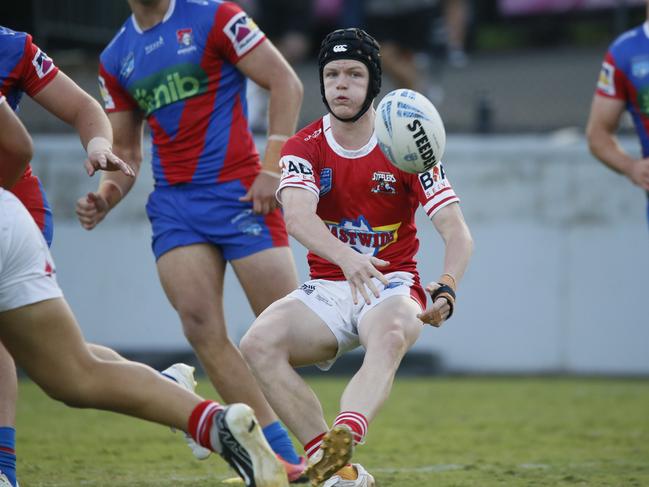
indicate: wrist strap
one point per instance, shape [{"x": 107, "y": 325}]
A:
[
  {"x": 445, "y": 291},
  {"x": 278, "y": 137}
]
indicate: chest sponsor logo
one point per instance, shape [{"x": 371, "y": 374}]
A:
[
  {"x": 185, "y": 38},
  {"x": 242, "y": 32},
  {"x": 359, "y": 234},
  {"x": 326, "y": 180},
  {"x": 154, "y": 46},
  {"x": 42, "y": 63},
  {"x": 384, "y": 182},
  {"x": 605, "y": 82},
  {"x": 168, "y": 86}
]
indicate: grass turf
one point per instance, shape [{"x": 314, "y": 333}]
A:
[{"x": 432, "y": 432}]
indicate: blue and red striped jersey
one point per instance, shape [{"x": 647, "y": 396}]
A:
[
  {"x": 625, "y": 76},
  {"x": 181, "y": 74}
]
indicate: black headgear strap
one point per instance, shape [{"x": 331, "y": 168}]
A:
[{"x": 355, "y": 44}]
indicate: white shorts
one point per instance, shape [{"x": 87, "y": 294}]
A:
[
  {"x": 27, "y": 273},
  {"x": 332, "y": 302}
]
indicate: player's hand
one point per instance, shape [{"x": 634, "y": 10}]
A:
[
  {"x": 359, "y": 269},
  {"x": 438, "y": 312},
  {"x": 262, "y": 194},
  {"x": 639, "y": 173},
  {"x": 91, "y": 209},
  {"x": 105, "y": 160}
]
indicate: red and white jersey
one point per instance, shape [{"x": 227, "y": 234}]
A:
[{"x": 365, "y": 201}]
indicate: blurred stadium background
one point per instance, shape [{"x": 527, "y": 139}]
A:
[{"x": 559, "y": 279}]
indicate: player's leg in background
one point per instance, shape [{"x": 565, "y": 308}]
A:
[
  {"x": 192, "y": 277},
  {"x": 8, "y": 398},
  {"x": 386, "y": 332},
  {"x": 288, "y": 334}
]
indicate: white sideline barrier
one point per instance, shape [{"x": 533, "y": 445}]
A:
[{"x": 559, "y": 281}]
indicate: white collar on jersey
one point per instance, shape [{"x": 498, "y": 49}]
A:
[
  {"x": 645, "y": 27},
  {"x": 170, "y": 10},
  {"x": 340, "y": 150}
]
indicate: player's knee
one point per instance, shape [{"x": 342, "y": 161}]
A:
[
  {"x": 258, "y": 347},
  {"x": 200, "y": 327},
  {"x": 394, "y": 342}
]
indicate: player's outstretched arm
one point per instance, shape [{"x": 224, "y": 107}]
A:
[
  {"x": 307, "y": 227},
  {"x": 603, "y": 123},
  {"x": 266, "y": 67},
  {"x": 128, "y": 128},
  {"x": 16, "y": 146},
  {"x": 63, "y": 98},
  {"x": 458, "y": 242}
]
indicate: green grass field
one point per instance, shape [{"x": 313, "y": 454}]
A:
[{"x": 433, "y": 432}]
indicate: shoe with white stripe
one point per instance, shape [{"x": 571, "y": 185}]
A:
[
  {"x": 238, "y": 438},
  {"x": 183, "y": 374}
]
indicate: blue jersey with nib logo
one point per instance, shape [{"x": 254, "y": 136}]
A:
[{"x": 181, "y": 74}]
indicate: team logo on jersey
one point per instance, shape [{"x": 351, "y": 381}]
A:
[
  {"x": 433, "y": 181},
  {"x": 49, "y": 269},
  {"x": 128, "y": 65},
  {"x": 243, "y": 33},
  {"x": 43, "y": 64},
  {"x": 326, "y": 180},
  {"x": 606, "y": 83},
  {"x": 359, "y": 234},
  {"x": 185, "y": 39},
  {"x": 109, "y": 103},
  {"x": 384, "y": 182},
  {"x": 640, "y": 66}
]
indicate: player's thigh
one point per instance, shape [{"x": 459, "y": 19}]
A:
[
  {"x": 266, "y": 276},
  {"x": 290, "y": 326},
  {"x": 45, "y": 340},
  {"x": 192, "y": 278},
  {"x": 395, "y": 314}
]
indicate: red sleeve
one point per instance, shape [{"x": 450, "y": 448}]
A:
[
  {"x": 37, "y": 69},
  {"x": 116, "y": 98},
  {"x": 612, "y": 81},
  {"x": 234, "y": 33},
  {"x": 434, "y": 190},
  {"x": 300, "y": 166}
]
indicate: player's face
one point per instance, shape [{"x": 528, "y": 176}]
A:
[{"x": 345, "y": 83}]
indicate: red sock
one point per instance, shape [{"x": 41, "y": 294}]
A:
[
  {"x": 356, "y": 421},
  {"x": 313, "y": 446},
  {"x": 201, "y": 420}
]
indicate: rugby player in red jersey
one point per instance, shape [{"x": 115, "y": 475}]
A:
[{"x": 355, "y": 212}]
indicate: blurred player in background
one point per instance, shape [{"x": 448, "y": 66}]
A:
[
  {"x": 365, "y": 288},
  {"x": 182, "y": 65},
  {"x": 41, "y": 333},
  {"x": 622, "y": 85},
  {"x": 24, "y": 68}
]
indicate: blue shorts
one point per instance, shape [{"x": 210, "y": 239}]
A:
[{"x": 187, "y": 214}]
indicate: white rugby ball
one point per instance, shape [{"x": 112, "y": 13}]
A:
[{"x": 410, "y": 131}]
